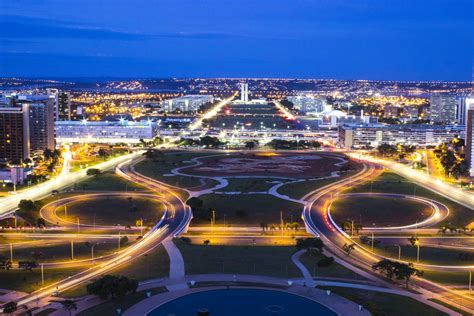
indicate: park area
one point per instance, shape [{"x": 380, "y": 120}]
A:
[{"x": 378, "y": 211}]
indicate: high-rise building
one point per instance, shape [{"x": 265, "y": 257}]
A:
[
  {"x": 41, "y": 125},
  {"x": 14, "y": 133},
  {"x": 63, "y": 112},
  {"x": 244, "y": 92},
  {"x": 469, "y": 150},
  {"x": 443, "y": 109}
]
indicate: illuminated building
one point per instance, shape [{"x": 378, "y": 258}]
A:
[
  {"x": 308, "y": 104},
  {"x": 107, "y": 132},
  {"x": 14, "y": 133},
  {"x": 361, "y": 135},
  {"x": 470, "y": 134},
  {"x": 443, "y": 109},
  {"x": 188, "y": 103}
]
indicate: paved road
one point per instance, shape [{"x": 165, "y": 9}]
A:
[
  {"x": 174, "y": 221},
  {"x": 64, "y": 180},
  {"x": 319, "y": 223}
]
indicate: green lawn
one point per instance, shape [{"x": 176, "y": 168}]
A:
[
  {"x": 260, "y": 260},
  {"x": 454, "y": 278},
  {"x": 51, "y": 251},
  {"x": 390, "y": 182},
  {"x": 429, "y": 255},
  {"x": 153, "y": 265},
  {"x": 26, "y": 281},
  {"x": 247, "y": 209},
  {"x": 112, "y": 210},
  {"x": 109, "y": 308},
  {"x": 385, "y": 304},
  {"x": 107, "y": 181},
  {"x": 381, "y": 211},
  {"x": 335, "y": 270},
  {"x": 158, "y": 168},
  {"x": 250, "y": 184}
]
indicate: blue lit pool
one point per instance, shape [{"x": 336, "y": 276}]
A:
[{"x": 238, "y": 302}]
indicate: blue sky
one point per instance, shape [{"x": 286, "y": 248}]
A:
[{"x": 341, "y": 39}]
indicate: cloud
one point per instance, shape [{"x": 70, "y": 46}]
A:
[{"x": 18, "y": 27}]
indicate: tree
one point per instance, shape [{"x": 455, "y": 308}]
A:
[
  {"x": 93, "y": 172},
  {"x": 250, "y": 145},
  {"x": 5, "y": 263},
  {"x": 387, "y": 149},
  {"x": 10, "y": 307},
  {"x": 399, "y": 270},
  {"x": 112, "y": 286},
  {"x": 27, "y": 265},
  {"x": 309, "y": 244},
  {"x": 206, "y": 242},
  {"x": 348, "y": 248},
  {"x": 27, "y": 206},
  {"x": 102, "y": 153}
]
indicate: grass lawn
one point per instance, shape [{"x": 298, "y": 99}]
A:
[
  {"x": 335, "y": 270},
  {"x": 153, "y": 265},
  {"x": 385, "y": 304},
  {"x": 299, "y": 189},
  {"x": 381, "y": 211},
  {"x": 259, "y": 260},
  {"x": 115, "y": 210},
  {"x": 390, "y": 182},
  {"x": 51, "y": 251},
  {"x": 250, "y": 184},
  {"x": 248, "y": 209},
  {"x": 107, "y": 181},
  {"x": 26, "y": 281},
  {"x": 109, "y": 308},
  {"x": 163, "y": 166},
  {"x": 429, "y": 255},
  {"x": 452, "y": 278}
]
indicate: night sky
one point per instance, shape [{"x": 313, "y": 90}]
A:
[{"x": 340, "y": 39}]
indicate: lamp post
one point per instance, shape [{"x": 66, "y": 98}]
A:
[
  {"x": 399, "y": 252},
  {"x": 417, "y": 244},
  {"x": 92, "y": 251}
]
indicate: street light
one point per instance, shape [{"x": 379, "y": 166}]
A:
[
  {"x": 417, "y": 244},
  {"x": 399, "y": 252}
]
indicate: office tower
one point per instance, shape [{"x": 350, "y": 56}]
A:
[
  {"x": 14, "y": 133},
  {"x": 443, "y": 109},
  {"x": 469, "y": 150},
  {"x": 63, "y": 112},
  {"x": 41, "y": 119},
  {"x": 41, "y": 125},
  {"x": 244, "y": 92}
]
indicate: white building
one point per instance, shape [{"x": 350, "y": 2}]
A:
[
  {"x": 309, "y": 105},
  {"x": 443, "y": 108},
  {"x": 360, "y": 135},
  {"x": 188, "y": 103},
  {"x": 15, "y": 175},
  {"x": 469, "y": 103},
  {"x": 105, "y": 132}
]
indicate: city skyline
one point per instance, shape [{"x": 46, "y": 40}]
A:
[{"x": 409, "y": 40}]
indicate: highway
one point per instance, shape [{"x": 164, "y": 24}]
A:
[
  {"x": 447, "y": 190},
  {"x": 175, "y": 220},
  {"x": 64, "y": 180},
  {"x": 318, "y": 221}
]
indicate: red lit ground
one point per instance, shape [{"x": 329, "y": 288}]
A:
[{"x": 261, "y": 164}]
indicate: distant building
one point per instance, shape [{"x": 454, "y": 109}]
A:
[
  {"x": 64, "y": 106},
  {"x": 443, "y": 109},
  {"x": 15, "y": 175},
  {"x": 410, "y": 112},
  {"x": 105, "y": 132},
  {"x": 244, "y": 92},
  {"x": 309, "y": 105},
  {"x": 469, "y": 152},
  {"x": 188, "y": 103},
  {"x": 14, "y": 132},
  {"x": 462, "y": 105},
  {"x": 390, "y": 110},
  {"x": 360, "y": 135}
]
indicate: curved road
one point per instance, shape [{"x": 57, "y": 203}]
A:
[
  {"x": 174, "y": 221},
  {"x": 318, "y": 221}
]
